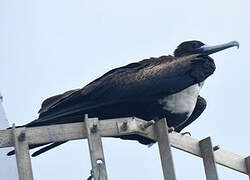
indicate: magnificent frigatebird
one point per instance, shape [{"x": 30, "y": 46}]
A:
[{"x": 164, "y": 87}]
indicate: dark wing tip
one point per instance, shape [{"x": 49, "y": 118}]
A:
[
  {"x": 11, "y": 153},
  {"x": 47, "y": 148}
]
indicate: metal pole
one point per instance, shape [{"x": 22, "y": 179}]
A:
[
  {"x": 161, "y": 129},
  {"x": 95, "y": 149},
  {"x": 207, "y": 154},
  {"x": 22, "y": 154},
  {"x": 247, "y": 161},
  {"x": 9, "y": 163}
]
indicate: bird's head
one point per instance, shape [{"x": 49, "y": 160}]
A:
[{"x": 197, "y": 47}]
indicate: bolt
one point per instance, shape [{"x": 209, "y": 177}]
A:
[
  {"x": 22, "y": 136},
  {"x": 94, "y": 128},
  {"x": 124, "y": 126},
  {"x": 99, "y": 161},
  {"x": 145, "y": 125}
]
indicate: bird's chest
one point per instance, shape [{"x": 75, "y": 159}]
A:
[{"x": 182, "y": 102}]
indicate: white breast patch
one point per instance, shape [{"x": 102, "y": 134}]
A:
[{"x": 183, "y": 101}]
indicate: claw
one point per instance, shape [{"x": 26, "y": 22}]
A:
[
  {"x": 184, "y": 133},
  {"x": 171, "y": 129}
]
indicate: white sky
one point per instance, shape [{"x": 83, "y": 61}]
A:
[{"x": 48, "y": 47}]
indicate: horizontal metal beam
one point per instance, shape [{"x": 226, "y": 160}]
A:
[
  {"x": 222, "y": 157},
  {"x": 73, "y": 131},
  {"x": 113, "y": 127}
]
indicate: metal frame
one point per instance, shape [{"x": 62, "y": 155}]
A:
[
  {"x": 22, "y": 153},
  {"x": 207, "y": 153},
  {"x": 10, "y": 172},
  {"x": 95, "y": 149},
  {"x": 161, "y": 129},
  {"x": 93, "y": 130}
]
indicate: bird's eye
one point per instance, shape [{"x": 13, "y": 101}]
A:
[{"x": 195, "y": 44}]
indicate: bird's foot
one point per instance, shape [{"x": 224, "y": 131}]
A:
[
  {"x": 184, "y": 133},
  {"x": 170, "y": 130}
]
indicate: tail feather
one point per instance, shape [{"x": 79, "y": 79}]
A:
[
  {"x": 30, "y": 147},
  {"x": 47, "y": 148},
  {"x": 40, "y": 151}
]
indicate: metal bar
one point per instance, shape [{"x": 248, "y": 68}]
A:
[
  {"x": 70, "y": 131},
  {"x": 247, "y": 161},
  {"x": 22, "y": 153},
  {"x": 11, "y": 171},
  {"x": 161, "y": 129},
  {"x": 95, "y": 149},
  {"x": 222, "y": 157},
  {"x": 73, "y": 131},
  {"x": 207, "y": 154}
]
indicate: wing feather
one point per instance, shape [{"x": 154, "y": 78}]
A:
[{"x": 146, "y": 79}]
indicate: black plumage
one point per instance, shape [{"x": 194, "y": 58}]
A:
[{"x": 144, "y": 89}]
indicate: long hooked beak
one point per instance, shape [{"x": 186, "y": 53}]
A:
[{"x": 206, "y": 50}]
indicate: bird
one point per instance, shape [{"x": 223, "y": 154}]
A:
[{"x": 151, "y": 89}]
